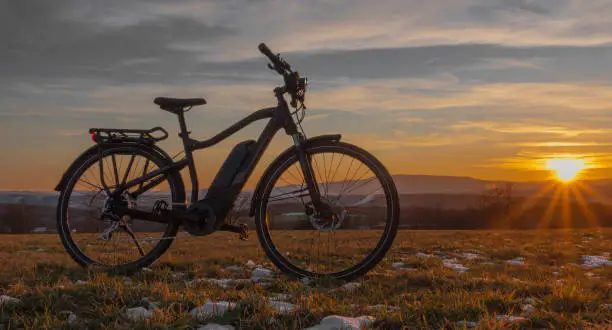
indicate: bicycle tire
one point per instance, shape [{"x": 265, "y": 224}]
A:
[
  {"x": 283, "y": 163},
  {"x": 177, "y": 194}
]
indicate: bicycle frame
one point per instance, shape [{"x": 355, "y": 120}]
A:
[{"x": 280, "y": 117}]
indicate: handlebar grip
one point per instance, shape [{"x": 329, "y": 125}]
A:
[{"x": 266, "y": 51}]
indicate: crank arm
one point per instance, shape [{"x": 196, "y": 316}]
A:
[{"x": 148, "y": 216}]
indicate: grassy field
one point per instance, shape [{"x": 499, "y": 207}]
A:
[{"x": 430, "y": 280}]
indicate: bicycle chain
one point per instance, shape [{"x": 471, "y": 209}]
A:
[{"x": 151, "y": 239}]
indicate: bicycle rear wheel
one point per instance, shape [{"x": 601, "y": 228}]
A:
[
  {"x": 362, "y": 195},
  {"x": 91, "y": 234}
]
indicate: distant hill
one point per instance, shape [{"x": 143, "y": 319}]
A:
[
  {"x": 407, "y": 184},
  {"x": 426, "y": 201}
]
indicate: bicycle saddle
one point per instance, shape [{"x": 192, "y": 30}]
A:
[{"x": 174, "y": 105}]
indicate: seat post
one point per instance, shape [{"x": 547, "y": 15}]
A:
[{"x": 184, "y": 134}]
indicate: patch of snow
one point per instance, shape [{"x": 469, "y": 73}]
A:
[
  {"x": 8, "y": 300},
  {"x": 148, "y": 304},
  {"x": 178, "y": 275},
  {"x": 223, "y": 282},
  {"x": 467, "y": 324},
  {"x": 519, "y": 261},
  {"x": 139, "y": 314},
  {"x": 606, "y": 306},
  {"x": 423, "y": 255},
  {"x": 383, "y": 307},
  {"x": 282, "y": 306},
  {"x": 40, "y": 250},
  {"x": 454, "y": 265},
  {"x": 334, "y": 322},
  {"x": 212, "y": 308},
  {"x": 146, "y": 270},
  {"x": 352, "y": 286},
  {"x": 127, "y": 281},
  {"x": 511, "y": 319},
  {"x": 595, "y": 261},
  {"x": 487, "y": 263},
  {"x": 527, "y": 309},
  {"x": 81, "y": 282},
  {"x": 261, "y": 274},
  {"x": 215, "y": 326},
  {"x": 280, "y": 296},
  {"x": 234, "y": 268},
  {"x": 401, "y": 265},
  {"x": 529, "y": 300},
  {"x": 250, "y": 264},
  {"x": 69, "y": 315},
  {"x": 472, "y": 256}
]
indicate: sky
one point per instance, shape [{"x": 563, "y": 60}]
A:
[{"x": 482, "y": 88}]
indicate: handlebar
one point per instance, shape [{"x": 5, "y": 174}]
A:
[
  {"x": 279, "y": 65},
  {"x": 294, "y": 85}
]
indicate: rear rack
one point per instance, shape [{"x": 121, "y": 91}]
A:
[{"x": 118, "y": 135}]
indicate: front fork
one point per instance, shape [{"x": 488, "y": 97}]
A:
[{"x": 311, "y": 181}]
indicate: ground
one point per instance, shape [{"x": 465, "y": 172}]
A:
[{"x": 430, "y": 279}]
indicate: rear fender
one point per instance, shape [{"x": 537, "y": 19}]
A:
[
  {"x": 95, "y": 149},
  {"x": 291, "y": 150}
]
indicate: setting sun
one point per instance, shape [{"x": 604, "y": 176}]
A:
[{"x": 566, "y": 169}]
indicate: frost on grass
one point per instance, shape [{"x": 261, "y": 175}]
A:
[
  {"x": 343, "y": 322},
  {"x": 137, "y": 314},
  {"x": 8, "y": 301},
  {"x": 212, "y": 308},
  {"x": 595, "y": 261}
]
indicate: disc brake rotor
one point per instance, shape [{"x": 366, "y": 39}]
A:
[{"x": 326, "y": 224}]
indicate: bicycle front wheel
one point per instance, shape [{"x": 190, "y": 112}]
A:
[{"x": 360, "y": 192}]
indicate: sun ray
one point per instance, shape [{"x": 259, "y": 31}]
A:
[
  {"x": 594, "y": 193},
  {"x": 566, "y": 210},
  {"x": 584, "y": 207},
  {"x": 516, "y": 213},
  {"x": 550, "y": 210}
]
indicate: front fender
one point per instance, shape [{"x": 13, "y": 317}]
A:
[
  {"x": 266, "y": 176},
  {"x": 94, "y": 149}
]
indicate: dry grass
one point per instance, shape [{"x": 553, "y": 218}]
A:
[{"x": 37, "y": 270}]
